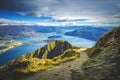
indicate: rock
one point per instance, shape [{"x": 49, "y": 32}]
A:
[{"x": 104, "y": 62}]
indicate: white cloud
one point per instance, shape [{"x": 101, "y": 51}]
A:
[
  {"x": 116, "y": 16},
  {"x": 72, "y": 8},
  {"x": 13, "y": 22},
  {"x": 94, "y": 10},
  {"x": 45, "y": 8},
  {"x": 62, "y": 23}
]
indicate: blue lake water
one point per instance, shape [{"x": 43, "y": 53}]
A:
[
  {"x": 27, "y": 48},
  {"x": 2, "y": 47}
]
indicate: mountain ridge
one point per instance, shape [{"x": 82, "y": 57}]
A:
[
  {"x": 104, "y": 59},
  {"x": 53, "y": 53},
  {"x": 91, "y": 33}
]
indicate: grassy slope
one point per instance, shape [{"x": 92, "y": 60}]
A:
[
  {"x": 34, "y": 62},
  {"x": 104, "y": 59}
]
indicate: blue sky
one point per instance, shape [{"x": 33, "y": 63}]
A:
[
  {"x": 60, "y": 12},
  {"x": 18, "y": 17}
]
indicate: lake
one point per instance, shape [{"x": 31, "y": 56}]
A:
[
  {"x": 32, "y": 46},
  {"x": 3, "y": 47}
]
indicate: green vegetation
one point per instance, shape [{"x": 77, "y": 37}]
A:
[
  {"x": 104, "y": 59},
  {"x": 93, "y": 52},
  {"x": 10, "y": 46},
  {"x": 52, "y": 54}
]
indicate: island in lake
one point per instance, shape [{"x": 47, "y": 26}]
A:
[{"x": 54, "y": 36}]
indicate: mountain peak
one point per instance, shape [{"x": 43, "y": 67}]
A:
[{"x": 52, "y": 49}]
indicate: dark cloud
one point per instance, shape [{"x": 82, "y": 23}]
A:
[
  {"x": 63, "y": 8},
  {"x": 25, "y": 5},
  {"x": 16, "y": 5}
]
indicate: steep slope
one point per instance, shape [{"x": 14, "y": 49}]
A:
[
  {"x": 61, "y": 71},
  {"x": 104, "y": 62},
  {"x": 51, "y": 54},
  {"x": 52, "y": 49}
]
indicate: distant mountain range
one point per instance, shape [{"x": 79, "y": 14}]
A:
[
  {"x": 91, "y": 33},
  {"x": 20, "y": 31},
  {"x": 10, "y": 32}
]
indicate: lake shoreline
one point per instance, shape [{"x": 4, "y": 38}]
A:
[
  {"x": 10, "y": 46},
  {"x": 33, "y": 43}
]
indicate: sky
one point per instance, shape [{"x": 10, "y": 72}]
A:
[{"x": 60, "y": 12}]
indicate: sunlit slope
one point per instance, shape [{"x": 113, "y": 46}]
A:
[{"x": 51, "y": 54}]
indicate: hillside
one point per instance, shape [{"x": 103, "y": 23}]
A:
[
  {"x": 9, "y": 32},
  {"x": 104, "y": 62},
  {"x": 91, "y": 33},
  {"x": 51, "y": 54},
  {"x": 100, "y": 62}
]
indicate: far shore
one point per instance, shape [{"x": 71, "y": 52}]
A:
[{"x": 10, "y": 46}]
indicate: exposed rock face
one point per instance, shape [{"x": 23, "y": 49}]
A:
[
  {"x": 104, "y": 62},
  {"x": 52, "y": 49}
]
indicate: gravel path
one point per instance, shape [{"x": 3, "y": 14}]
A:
[{"x": 62, "y": 71}]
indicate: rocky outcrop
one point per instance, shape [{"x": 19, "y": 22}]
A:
[
  {"x": 104, "y": 62},
  {"x": 52, "y": 49}
]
